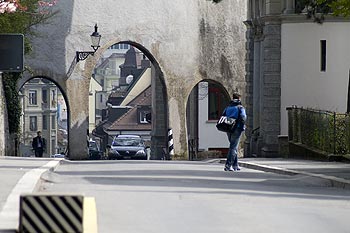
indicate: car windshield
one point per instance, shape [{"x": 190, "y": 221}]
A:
[{"x": 127, "y": 142}]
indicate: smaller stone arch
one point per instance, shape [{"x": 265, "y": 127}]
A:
[
  {"x": 46, "y": 117},
  {"x": 205, "y": 104}
]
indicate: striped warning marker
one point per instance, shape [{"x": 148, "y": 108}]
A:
[
  {"x": 54, "y": 213},
  {"x": 170, "y": 142}
]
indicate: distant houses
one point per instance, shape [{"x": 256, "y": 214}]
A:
[{"x": 129, "y": 97}]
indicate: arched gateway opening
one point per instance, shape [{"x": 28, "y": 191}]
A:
[
  {"x": 205, "y": 105},
  {"x": 127, "y": 96},
  {"x": 44, "y": 109}
]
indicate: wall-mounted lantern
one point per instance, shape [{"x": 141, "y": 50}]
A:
[{"x": 95, "y": 44}]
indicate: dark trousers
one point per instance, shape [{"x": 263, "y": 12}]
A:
[{"x": 39, "y": 152}]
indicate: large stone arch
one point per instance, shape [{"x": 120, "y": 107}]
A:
[
  {"x": 159, "y": 103},
  {"x": 190, "y": 40}
]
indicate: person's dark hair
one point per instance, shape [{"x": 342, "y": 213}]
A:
[{"x": 236, "y": 95}]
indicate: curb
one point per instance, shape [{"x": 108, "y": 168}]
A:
[
  {"x": 51, "y": 167},
  {"x": 332, "y": 180},
  {"x": 281, "y": 171}
]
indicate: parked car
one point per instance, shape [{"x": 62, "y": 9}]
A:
[
  {"x": 127, "y": 147},
  {"x": 94, "y": 150},
  {"x": 58, "y": 156}
]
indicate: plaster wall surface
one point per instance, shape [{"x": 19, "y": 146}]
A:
[
  {"x": 302, "y": 82},
  {"x": 188, "y": 40},
  {"x": 209, "y": 137}
]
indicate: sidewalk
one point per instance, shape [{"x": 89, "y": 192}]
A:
[
  {"x": 337, "y": 174},
  {"x": 18, "y": 175}
]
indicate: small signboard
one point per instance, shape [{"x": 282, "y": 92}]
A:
[{"x": 11, "y": 52}]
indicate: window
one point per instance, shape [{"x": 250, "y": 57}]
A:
[
  {"x": 145, "y": 117},
  {"x": 44, "y": 96},
  {"x": 53, "y": 122},
  {"x": 217, "y": 101},
  {"x": 53, "y": 98},
  {"x": 323, "y": 55},
  {"x": 53, "y": 146},
  {"x": 32, "y": 97},
  {"x": 44, "y": 122},
  {"x": 33, "y": 123},
  {"x": 120, "y": 46}
]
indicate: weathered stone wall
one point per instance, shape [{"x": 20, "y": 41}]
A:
[
  {"x": 189, "y": 40},
  {"x": 3, "y": 119}
]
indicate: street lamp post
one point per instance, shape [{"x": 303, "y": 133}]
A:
[{"x": 95, "y": 44}]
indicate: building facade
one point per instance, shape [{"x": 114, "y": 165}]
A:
[
  {"x": 39, "y": 99},
  {"x": 291, "y": 60}
]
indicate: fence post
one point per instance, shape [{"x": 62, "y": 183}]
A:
[
  {"x": 170, "y": 143},
  {"x": 297, "y": 123},
  {"x": 290, "y": 123},
  {"x": 334, "y": 132}
]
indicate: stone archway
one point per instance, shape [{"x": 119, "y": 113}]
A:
[
  {"x": 44, "y": 108},
  {"x": 159, "y": 111},
  {"x": 190, "y": 42}
]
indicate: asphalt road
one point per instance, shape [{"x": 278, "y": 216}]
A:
[{"x": 179, "y": 197}]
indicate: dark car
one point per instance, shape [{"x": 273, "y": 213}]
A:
[
  {"x": 127, "y": 147},
  {"x": 94, "y": 151}
]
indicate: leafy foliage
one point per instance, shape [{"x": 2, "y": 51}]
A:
[
  {"x": 317, "y": 9},
  {"x": 339, "y": 7},
  {"x": 12, "y": 101}
]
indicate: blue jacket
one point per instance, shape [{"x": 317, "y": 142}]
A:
[{"x": 232, "y": 111}]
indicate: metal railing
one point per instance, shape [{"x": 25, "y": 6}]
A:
[{"x": 319, "y": 129}]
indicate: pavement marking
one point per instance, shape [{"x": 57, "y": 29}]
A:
[
  {"x": 45, "y": 212},
  {"x": 9, "y": 215},
  {"x": 89, "y": 215}
]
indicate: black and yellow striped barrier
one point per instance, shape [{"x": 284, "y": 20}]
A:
[{"x": 45, "y": 213}]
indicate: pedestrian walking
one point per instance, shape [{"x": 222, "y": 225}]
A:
[
  {"x": 237, "y": 111},
  {"x": 39, "y": 144}
]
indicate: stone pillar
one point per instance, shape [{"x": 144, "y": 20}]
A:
[
  {"x": 159, "y": 133},
  {"x": 271, "y": 87},
  {"x": 192, "y": 123},
  {"x": 249, "y": 87},
  {"x": 290, "y": 7},
  {"x": 78, "y": 93}
]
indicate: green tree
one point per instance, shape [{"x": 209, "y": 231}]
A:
[
  {"x": 338, "y": 7},
  {"x": 317, "y": 9}
]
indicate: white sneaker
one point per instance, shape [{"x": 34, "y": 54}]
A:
[{"x": 230, "y": 169}]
